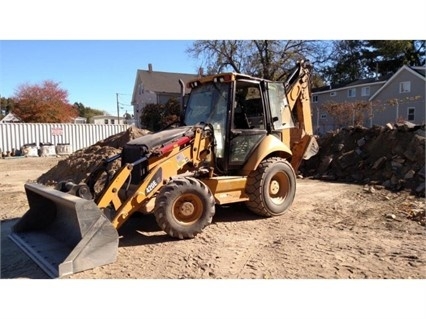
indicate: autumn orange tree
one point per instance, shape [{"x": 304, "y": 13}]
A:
[{"x": 43, "y": 103}]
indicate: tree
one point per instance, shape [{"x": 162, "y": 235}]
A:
[
  {"x": 346, "y": 64},
  {"x": 151, "y": 117},
  {"x": 354, "y": 59},
  {"x": 87, "y": 112},
  {"x": 6, "y": 106},
  {"x": 269, "y": 59},
  {"x": 386, "y": 57},
  {"x": 171, "y": 112},
  {"x": 348, "y": 113},
  {"x": 155, "y": 117},
  {"x": 44, "y": 103}
]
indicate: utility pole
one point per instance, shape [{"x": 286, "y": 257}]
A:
[{"x": 118, "y": 109}]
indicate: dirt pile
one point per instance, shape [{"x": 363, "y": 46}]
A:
[
  {"x": 392, "y": 157},
  {"x": 81, "y": 163}
]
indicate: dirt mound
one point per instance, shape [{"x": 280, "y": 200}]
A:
[
  {"x": 392, "y": 157},
  {"x": 81, "y": 163}
]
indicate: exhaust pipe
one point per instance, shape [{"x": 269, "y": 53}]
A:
[{"x": 64, "y": 234}]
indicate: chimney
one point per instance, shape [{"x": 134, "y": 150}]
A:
[{"x": 149, "y": 67}]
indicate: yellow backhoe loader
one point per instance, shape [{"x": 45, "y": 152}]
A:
[{"x": 240, "y": 139}]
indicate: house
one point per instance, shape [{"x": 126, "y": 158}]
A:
[
  {"x": 108, "y": 119},
  {"x": 350, "y": 95},
  {"x": 10, "y": 118},
  {"x": 401, "y": 98},
  {"x": 388, "y": 99},
  {"x": 152, "y": 87},
  {"x": 80, "y": 120}
]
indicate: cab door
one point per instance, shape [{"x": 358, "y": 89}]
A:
[{"x": 248, "y": 122}]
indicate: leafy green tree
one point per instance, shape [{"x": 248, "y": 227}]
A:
[
  {"x": 359, "y": 59},
  {"x": 6, "y": 106},
  {"x": 151, "y": 117},
  {"x": 385, "y": 57},
  {"x": 87, "y": 112},
  {"x": 155, "y": 117},
  {"x": 346, "y": 64}
]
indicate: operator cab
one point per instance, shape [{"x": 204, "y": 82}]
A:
[{"x": 235, "y": 105}]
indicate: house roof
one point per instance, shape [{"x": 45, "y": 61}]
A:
[
  {"x": 419, "y": 69},
  {"x": 360, "y": 82},
  {"x": 403, "y": 68},
  {"x": 97, "y": 117},
  {"x": 160, "y": 82},
  {"x": 163, "y": 82},
  {"x": 382, "y": 78},
  {"x": 9, "y": 118}
]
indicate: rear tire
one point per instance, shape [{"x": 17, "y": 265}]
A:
[
  {"x": 271, "y": 187},
  {"x": 184, "y": 207}
]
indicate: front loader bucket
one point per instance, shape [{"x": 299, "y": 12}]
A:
[{"x": 64, "y": 234}]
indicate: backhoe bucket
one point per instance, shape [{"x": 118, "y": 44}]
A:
[{"x": 64, "y": 234}]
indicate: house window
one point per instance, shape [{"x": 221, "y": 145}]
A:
[
  {"x": 404, "y": 87},
  {"x": 333, "y": 93},
  {"x": 112, "y": 121},
  {"x": 315, "y": 99},
  {"x": 106, "y": 121},
  {"x": 410, "y": 114},
  {"x": 365, "y": 91},
  {"x": 351, "y": 93},
  {"x": 323, "y": 116}
]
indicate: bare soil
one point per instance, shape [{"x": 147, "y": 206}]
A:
[{"x": 333, "y": 231}]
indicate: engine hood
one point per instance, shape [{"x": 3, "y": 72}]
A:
[{"x": 155, "y": 139}]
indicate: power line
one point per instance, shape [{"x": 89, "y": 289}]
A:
[{"x": 118, "y": 105}]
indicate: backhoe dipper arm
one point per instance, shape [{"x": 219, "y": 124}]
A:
[
  {"x": 299, "y": 96},
  {"x": 298, "y": 90}
]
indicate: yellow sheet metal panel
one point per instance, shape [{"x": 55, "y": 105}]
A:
[{"x": 270, "y": 144}]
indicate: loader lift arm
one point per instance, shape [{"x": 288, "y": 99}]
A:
[
  {"x": 163, "y": 164},
  {"x": 65, "y": 233}
]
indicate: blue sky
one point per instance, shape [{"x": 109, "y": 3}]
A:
[
  {"x": 94, "y": 52},
  {"x": 92, "y": 71}
]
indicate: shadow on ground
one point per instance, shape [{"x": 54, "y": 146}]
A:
[
  {"x": 144, "y": 230},
  {"x": 138, "y": 230}
]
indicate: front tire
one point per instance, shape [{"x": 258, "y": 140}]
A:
[
  {"x": 271, "y": 187},
  {"x": 184, "y": 207}
]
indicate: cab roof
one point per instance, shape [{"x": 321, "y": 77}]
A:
[{"x": 223, "y": 77}]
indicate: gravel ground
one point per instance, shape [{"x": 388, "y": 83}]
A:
[{"x": 332, "y": 231}]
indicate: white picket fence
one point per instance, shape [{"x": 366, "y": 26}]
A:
[{"x": 77, "y": 136}]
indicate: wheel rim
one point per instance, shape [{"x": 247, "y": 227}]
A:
[
  {"x": 187, "y": 209},
  {"x": 278, "y": 188}
]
